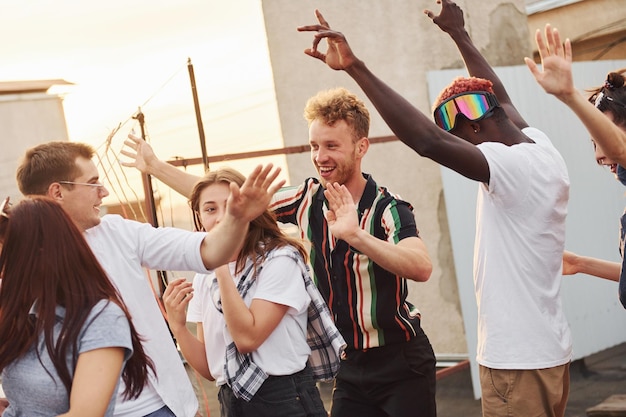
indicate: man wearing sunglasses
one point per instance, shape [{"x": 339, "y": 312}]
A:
[{"x": 524, "y": 341}]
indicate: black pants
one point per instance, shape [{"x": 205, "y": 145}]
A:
[
  {"x": 280, "y": 396},
  {"x": 389, "y": 381}
]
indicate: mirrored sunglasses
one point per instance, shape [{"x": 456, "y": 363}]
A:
[{"x": 473, "y": 105}]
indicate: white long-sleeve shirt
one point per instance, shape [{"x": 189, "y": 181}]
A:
[{"x": 125, "y": 248}]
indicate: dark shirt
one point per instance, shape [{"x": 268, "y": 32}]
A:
[{"x": 368, "y": 302}]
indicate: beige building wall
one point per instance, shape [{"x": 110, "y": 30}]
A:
[
  {"x": 597, "y": 28},
  {"x": 26, "y": 119},
  {"x": 400, "y": 44}
]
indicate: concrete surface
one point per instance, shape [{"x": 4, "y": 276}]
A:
[{"x": 593, "y": 379}]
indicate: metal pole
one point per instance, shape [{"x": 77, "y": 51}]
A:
[
  {"x": 149, "y": 199},
  {"x": 196, "y": 105}
]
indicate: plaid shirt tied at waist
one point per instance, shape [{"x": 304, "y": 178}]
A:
[{"x": 326, "y": 343}]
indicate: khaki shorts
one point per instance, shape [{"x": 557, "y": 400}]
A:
[{"x": 524, "y": 392}]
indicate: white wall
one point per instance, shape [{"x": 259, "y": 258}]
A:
[
  {"x": 25, "y": 121},
  {"x": 596, "y": 317}
]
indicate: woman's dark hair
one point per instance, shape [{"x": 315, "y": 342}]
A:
[
  {"x": 46, "y": 260},
  {"x": 263, "y": 235},
  {"x": 4, "y": 217},
  {"x": 611, "y": 96}
]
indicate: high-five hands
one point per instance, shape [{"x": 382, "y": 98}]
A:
[{"x": 252, "y": 199}]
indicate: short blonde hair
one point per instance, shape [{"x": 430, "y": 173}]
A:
[{"x": 331, "y": 106}]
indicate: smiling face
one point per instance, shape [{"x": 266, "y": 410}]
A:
[
  {"x": 599, "y": 154},
  {"x": 212, "y": 207},
  {"x": 602, "y": 159},
  {"x": 335, "y": 153},
  {"x": 82, "y": 202}
]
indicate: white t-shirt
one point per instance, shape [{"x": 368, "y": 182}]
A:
[
  {"x": 520, "y": 237},
  {"x": 34, "y": 389},
  {"x": 202, "y": 310},
  {"x": 124, "y": 248},
  {"x": 285, "y": 351}
]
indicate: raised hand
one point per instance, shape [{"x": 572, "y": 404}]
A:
[
  {"x": 450, "y": 18},
  {"x": 556, "y": 60},
  {"x": 175, "y": 299},
  {"x": 252, "y": 199},
  {"x": 342, "y": 217},
  {"x": 141, "y": 154},
  {"x": 339, "y": 56}
]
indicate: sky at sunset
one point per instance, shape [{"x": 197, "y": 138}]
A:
[{"x": 121, "y": 55}]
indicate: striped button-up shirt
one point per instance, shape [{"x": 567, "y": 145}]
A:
[{"x": 368, "y": 302}]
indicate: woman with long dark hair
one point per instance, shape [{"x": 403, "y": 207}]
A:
[{"x": 66, "y": 335}]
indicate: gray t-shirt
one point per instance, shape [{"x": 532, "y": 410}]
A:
[{"x": 33, "y": 392}]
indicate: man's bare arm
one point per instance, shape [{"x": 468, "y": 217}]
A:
[{"x": 144, "y": 159}]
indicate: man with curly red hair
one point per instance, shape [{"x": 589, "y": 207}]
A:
[{"x": 524, "y": 342}]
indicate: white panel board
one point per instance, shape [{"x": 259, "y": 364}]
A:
[{"x": 596, "y": 317}]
